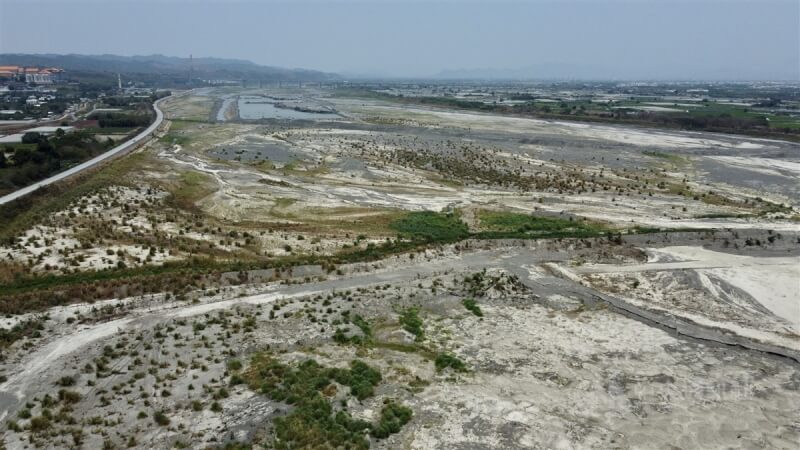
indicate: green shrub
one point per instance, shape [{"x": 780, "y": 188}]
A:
[
  {"x": 431, "y": 227},
  {"x": 393, "y": 417},
  {"x": 363, "y": 325},
  {"x": 511, "y": 225},
  {"x": 161, "y": 419},
  {"x": 312, "y": 423},
  {"x": 66, "y": 381},
  {"x": 69, "y": 396},
  {"x": 361, "y": 379},
  {"x": 472, "y": 306},
  {"x": 39, "y": 424},
  {"x": 236, "y": 379},
  {"x": 340, "y": 335},
  {"x": 444, "y": 360},
  {"x": 411, "y": 322}
]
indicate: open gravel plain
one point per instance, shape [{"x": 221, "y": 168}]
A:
[{"x": 356, "y": 273}]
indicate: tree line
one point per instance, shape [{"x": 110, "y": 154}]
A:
[{"x": 39, "y": 156}]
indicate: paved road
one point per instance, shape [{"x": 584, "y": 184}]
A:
[{"x": 120, "y": 149}]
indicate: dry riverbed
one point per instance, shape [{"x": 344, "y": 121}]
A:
[
  {"x": 522, "y": 284},
  {"x": 545, "y": 363}
]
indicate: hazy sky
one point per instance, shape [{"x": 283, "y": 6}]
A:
[{"x": 606, "y": 38}]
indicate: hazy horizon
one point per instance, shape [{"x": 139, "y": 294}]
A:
[{"x": 706, "y": 39}]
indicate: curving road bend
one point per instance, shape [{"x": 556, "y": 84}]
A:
[{"x": 120, "y": 149}]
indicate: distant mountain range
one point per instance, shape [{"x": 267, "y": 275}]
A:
[{"x": 200, "y": 68}]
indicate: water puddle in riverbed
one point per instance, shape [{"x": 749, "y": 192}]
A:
[{"x": 254, "y": 108}]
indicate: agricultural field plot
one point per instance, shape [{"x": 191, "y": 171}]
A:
[
  {"x": 397, "y": 276},
  {"x": 195, "y": 107}
]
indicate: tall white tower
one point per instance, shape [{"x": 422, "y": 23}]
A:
[{"x": 119, "y": 82}]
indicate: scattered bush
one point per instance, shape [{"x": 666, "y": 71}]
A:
[
  {"x": 411, "y": 322},
  {"x": 472, "y": 306},
  {"x": 39, "y": 424},
  {"x": 445, "y": 360},
  {"x": 161, "y": 418},
  {"x": 234, "y": 365},
  {"x": 69, "y": 396},
  {"x": 312, "y": 423},
  {"x": 393, "y": 417}
]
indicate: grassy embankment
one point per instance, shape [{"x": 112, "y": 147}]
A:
[{"x": 416, "y": 230}]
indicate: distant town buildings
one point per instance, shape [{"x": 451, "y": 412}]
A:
[
  {"x": 32, "y": 75},
  {"x": 33, "y": 100},
  {"x": 223, "y": 82}
]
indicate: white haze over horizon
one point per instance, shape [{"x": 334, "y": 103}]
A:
[{"x": 588, "y": 39}]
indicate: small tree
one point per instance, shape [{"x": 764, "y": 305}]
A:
[
  {"x": 44, "y": 146},
  {"x": 31, "y": 138}
]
